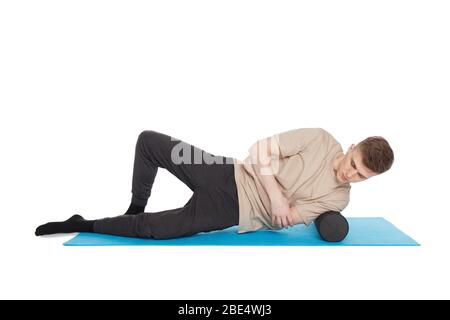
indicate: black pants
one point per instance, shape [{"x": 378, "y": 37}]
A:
[{"x": 213, "y": 205}]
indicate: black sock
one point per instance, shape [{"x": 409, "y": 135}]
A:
[
  {"x": 134, "y": 209},
  {"x": 75, "y": 223}
]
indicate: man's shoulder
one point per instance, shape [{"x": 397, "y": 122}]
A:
[
  {"x": 340, "y": 196},
  {"x": 316, "y": 131},
  {"x": 325, "y": 132},
  {"x": 326, "y": 136},
  {"x": 306, "y": 132}
]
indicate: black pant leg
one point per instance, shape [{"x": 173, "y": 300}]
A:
[
  {"x": 192, "y": 165},
  {"x": 207, "y": 210},
  {"x": 213, "y": 205},
  {"x": 157, "y": 225}
]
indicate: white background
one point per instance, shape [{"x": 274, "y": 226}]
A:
[{"x": 79, "y": 80}]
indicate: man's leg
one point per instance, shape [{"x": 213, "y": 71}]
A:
[
  {"x": 207, "y": 210},
  {"x": 188, "y": 163},
  {"x": 213, "y": 206}
]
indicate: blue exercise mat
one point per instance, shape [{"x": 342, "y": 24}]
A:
[{"x": 363, "y": 232}]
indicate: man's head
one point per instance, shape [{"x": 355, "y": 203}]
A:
[{"x": 367, "y": 159}]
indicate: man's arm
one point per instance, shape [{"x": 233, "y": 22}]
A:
[{"x": 261, "y": 154}]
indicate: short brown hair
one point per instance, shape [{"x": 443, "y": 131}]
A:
[{"x": 376, "y": 154}]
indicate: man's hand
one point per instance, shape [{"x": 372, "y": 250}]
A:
[{"x": 281, "y": 212}]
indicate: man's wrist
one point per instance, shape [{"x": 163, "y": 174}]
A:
[{"x": 276, "y": 196}]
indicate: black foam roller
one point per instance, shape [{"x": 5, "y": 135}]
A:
[{"x": 332, "y": 226}]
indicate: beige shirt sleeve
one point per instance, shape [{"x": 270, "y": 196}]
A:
[
  {"x": 294, "y": 141},
  {"x": 309, "y": 211}
]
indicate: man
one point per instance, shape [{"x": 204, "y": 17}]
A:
[
  {"x": 299, "y": 174},
  {"x": 288, "y": 178}
]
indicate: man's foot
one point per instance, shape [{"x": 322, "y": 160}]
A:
[{"x": 76, "y": 223}]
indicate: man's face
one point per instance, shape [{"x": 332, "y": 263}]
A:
[{"x": 351, "y": 168}]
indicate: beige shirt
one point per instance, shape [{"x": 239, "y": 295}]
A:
[{"x": 304, "y": 172}]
